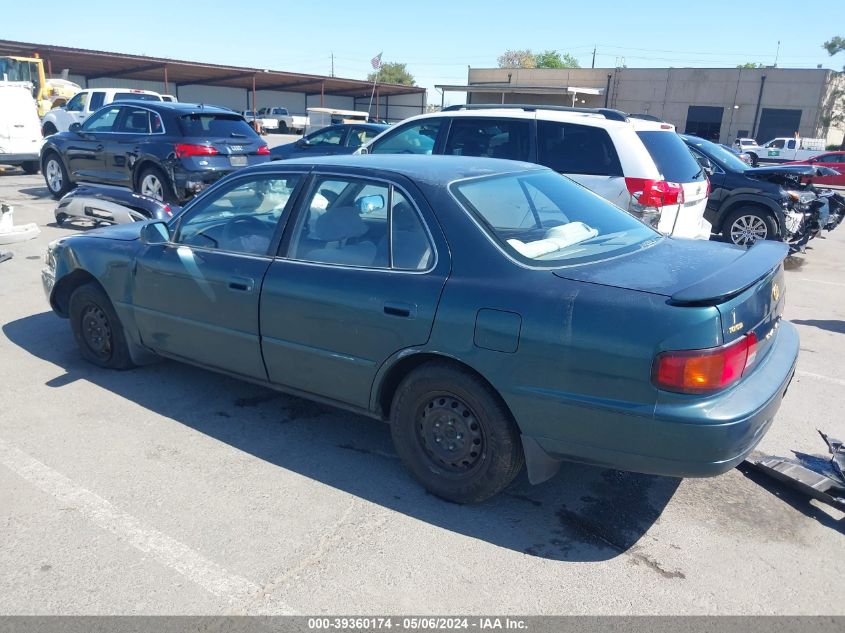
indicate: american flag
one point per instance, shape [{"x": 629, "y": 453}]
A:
[{"x": 376, "y": 61}]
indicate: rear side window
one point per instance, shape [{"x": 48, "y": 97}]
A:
[
  {"x": 492, "y": 138},
  {"x": 569, "y": 148},
  {"x": 220, "y": 125},
  {"x": 416, "y": 138},
  {"x": 673, "y": 159},
  {"x": 136, "y": 96}
]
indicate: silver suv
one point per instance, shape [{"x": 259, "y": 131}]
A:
[{"x": 641, "y": 166}]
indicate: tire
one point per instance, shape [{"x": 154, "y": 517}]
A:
[
  {"x": 30, "y": 167},
  {"x": 61, "y": 218},
  {"x": 754, "y": 160},
  {"x": 97, "y": 328},
  {"x": 153, "y": 183},
  {"x": 56, "y": 176},
  {"x": 47, "y": 129},
  {"x": 283, "y": 127},
  {"x": 438, "y": 403},
  {"x": 745, "y": 225}
]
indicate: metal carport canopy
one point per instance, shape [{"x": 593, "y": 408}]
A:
[{"x": 94, "y": 64}]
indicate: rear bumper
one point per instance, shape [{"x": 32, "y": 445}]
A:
[
  {"x": 191, "y": 181},
  {"x": 688, "y": 436}
]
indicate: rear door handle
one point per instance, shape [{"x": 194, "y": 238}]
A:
[
  {"x": 241, "y": 284},
  {"x": 400, "y": 309}
]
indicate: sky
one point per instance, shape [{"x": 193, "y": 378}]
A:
[{"x": 438, "y": 40}]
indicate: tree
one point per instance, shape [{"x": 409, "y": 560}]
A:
[
  {"x": 393, "y": 73},
  {"x": 834, "y": 45},
  {"x": 517, "y": 59},
  {"x": 837, "y": 113},
  {"x": 751, "y": 65},
  {"x": 553, "y": 59}
]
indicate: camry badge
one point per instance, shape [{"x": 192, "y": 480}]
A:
[{"x": 775, "y": 292}]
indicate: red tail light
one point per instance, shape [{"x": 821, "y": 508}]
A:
[
  {"x": 704, "y": 370},
  {"x": 184, "y": 150},
  {"x": 655, "y": 193},
  {"x": 264, "y": 150}
]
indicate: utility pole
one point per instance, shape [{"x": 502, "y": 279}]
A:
[
  {"x": 777, "y": 54},
  {"x": 594, "y": 57},
  {"x": 332, "y": 64}
]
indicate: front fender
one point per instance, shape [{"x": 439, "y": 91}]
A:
[{"x": 734, "y": 201}]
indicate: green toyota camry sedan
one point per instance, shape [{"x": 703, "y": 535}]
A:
[{"x": 495, "y": 313}]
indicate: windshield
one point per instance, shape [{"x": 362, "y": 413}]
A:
[
  {"x": 672, "y": 157},
  {"x": 543, "y": 218},
  {"x": 724, "y": 157}
]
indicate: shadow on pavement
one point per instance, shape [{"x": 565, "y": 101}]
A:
[
  {"x": 831, "y": 325},
  {"x": 36, "y": 192},
  {"x": 583, "y": 514}
]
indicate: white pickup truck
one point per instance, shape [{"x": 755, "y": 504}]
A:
[
  {"x": 85, "y": 102},
  {"x": 784, "y": 149},
  {"x": 287, "y": 122}
]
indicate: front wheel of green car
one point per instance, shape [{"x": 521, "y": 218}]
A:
[
  {"x": 97, "y": 329},
  {"x": 454, "y": 433}
]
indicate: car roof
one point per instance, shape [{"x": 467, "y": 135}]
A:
[
  {"x": 541, "y": 114},
  {"x": 176, "y": 107},
  {"x": 436, "y": 170}
]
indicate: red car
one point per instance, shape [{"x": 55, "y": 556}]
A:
[{"x": 834, "y": 160}]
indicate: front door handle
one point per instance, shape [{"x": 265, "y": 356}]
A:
[
  {"x": 400, "y": 309},
  {"x": 241, "y": 284}
]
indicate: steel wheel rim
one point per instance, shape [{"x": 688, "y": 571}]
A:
[
  {"x": 54, "y": 175},
  {"x": 450, "y": 434},
  {"x": 747, "y": 229},
  {"x": 152, "y": 188},
  {"x": 96, "y": 331}
]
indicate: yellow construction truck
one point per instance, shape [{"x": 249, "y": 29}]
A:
[{"x": 48, "y": 93}]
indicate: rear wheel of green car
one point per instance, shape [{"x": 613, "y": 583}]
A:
[
  {"x": 97, "y": 329},
  {"x": 454, "y": 433}
]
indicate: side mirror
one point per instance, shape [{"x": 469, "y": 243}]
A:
[
  {"x": 302, "y": 142},
  {"x": 75, "y": 127},
  {"x": 368, "y": 204},
  {"x": 155, "y": 232},
  {"x": 362, "y": 150}
]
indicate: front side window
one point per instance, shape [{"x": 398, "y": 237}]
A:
[
  {"x": 778, "y": 144},
  {"x": 77, "y": 104},
  {"x": 415, "y": 138},
  {"x": 97, "y": 100},
  {"x": 545, "y": 219},
  {"x": 353, "y": 222},
  {"x": 102, "y": 120},
  {"x": 242, "y": 219},
  {"x": 569, "y": 148},
  {"x": 359, "y": 136},
  {"x": 326, "y": 137},
  {"x": 493, "y": 138}
]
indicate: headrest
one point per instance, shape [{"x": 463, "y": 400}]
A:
[{"x": 339, "y": 223}]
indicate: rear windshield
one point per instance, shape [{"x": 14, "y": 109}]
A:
[
  {"x": 136, "y": 96},
  {"x": 671, "y": 156},
  {"x": 545, "y": 219},
  {"x": 219, "y": 125}
]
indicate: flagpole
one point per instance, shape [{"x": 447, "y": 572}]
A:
[{"x": 375, "y": 80}]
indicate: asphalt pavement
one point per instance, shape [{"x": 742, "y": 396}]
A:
[{"x": 173, "y": 490}]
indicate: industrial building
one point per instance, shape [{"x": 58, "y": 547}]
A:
[
  {"x": 715, "y": 103},
  {"x": 234, "y": 87}
]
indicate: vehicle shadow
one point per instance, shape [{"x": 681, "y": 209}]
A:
[
  {"x": 36, "y": 192},
  {"x": 831, "y": 325},
  {"x": 583, "y": 514}
]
